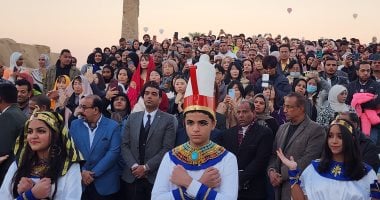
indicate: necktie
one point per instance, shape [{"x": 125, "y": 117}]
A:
[
  {"x": 147, "y": 124},
  {"x": 240, "y": 136}
]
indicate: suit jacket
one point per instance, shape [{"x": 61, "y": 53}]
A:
[
  {"x": 12, "y": 122},
  {"x": 103, "y": 156},
  {"x": 305, "y": 145},
  {"x": 50, "y": 77},
  {"x": 253, "y": 156},
  {"x": 160, "y": 139}
]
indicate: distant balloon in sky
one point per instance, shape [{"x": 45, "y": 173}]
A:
[
  {"x": 355, "y": 15},
  {"x": 145, "y": 29},
  {"x": 161, "y": 31},
  {"x": 289, "y": 10}
]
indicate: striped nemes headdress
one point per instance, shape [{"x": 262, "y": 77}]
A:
[{"x": 56, "y": 123}]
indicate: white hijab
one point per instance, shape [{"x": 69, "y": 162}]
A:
[
  {"x": 333, "y": 99},
  {"x": 13, "y": 59}
]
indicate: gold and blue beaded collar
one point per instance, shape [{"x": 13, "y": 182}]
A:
[{"x": 197, "y": 158}]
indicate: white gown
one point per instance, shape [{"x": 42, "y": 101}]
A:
[
  {"x": 69, "y": 185},
  {"x": 319, "y": 187},
  {"x": 228, "y": 189}
]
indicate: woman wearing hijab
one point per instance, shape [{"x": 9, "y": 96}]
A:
[
  {"x": 40, "y": 73},
  {"x": 46, "y": 162},
  {"x": 335, "y": 104},
  {"x": 61, "y": 86},
  {"x": 95, "y": 65},
  {"x": 263, "y": 115},
  {"x": 15, "y": 67},
  {"x": 80, "y": 87}
]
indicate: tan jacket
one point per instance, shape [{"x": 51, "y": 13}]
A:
[{"x": 50, "y": 77}]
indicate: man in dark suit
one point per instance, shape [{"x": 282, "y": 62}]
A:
[
  {"x": 12, "y": 121},
  {"x": 252, "y": 145},
  {"x": 301, "y": 138},
  {"x": 98, "y": 139},
  {"x": 147, "y": 137}
]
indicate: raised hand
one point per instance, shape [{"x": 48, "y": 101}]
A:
[{"x": 290, "y": 163}]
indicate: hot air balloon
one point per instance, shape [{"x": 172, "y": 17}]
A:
[
  {"x": 145, "y": 29},
  {"x": 161, "y": 31},
  {"x": 355, "y": 15},
  {"x": 289, "y": 10}
]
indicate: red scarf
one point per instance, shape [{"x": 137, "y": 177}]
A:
[{"x": 137, "y": 82}]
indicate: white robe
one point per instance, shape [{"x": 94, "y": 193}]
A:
[
  {"x": 228, "y": 170},
  {"x": 69, "y": 185},
  {"x": 317, "y": 187}
]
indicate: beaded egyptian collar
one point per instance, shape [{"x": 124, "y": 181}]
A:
[
  {"x": 193, "y": 158},
  {"x": 40, "y": 168}
]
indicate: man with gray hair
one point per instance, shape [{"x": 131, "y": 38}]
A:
[{"x": 301, "y": 138}]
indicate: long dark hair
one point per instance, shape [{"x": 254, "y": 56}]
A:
[
  {"x": 56, "y": 162},
  {"x": 239, "y": 85},
  {"x": 353, "y": 164},
  {"x": 129, "y": 74},
  {"x": 228, "y": 77}
]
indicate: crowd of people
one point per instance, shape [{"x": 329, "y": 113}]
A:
[{"x": 208, "y": 117}]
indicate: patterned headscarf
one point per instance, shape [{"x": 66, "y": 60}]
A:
[
  {"x": 47, "y": 59},
  {"x": 266, "y": 114},
  {"x": 68, "y": 93},
  {"x": 55, "y": 122}
]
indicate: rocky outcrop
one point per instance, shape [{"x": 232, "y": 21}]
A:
[
  {"x": 30, "y": 53},
  {"x": 130, "y": 24}
]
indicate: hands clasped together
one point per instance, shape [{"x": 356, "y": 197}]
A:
[{"x": 40, "y": 189}]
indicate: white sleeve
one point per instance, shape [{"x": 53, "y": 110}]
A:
[
  {"x": 161, "y": 188},
  {"x": 229, "y": 181},
  {"x": 305, "y": 175},
  {"x": 72, "y": 185},
  {"x": 229, "y": 186},
  {"x": 6, "y": 187}
]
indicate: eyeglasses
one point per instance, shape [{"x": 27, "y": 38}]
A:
[{"x": 85, "y": 107}]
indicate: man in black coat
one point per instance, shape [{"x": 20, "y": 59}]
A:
[
  {"x": 252, "y": 145},
  {"x": 12, "y": 121}
]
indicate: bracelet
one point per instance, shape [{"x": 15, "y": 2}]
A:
[{"x": 294, "y": 177}]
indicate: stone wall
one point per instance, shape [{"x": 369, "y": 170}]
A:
[
  {"x": 130, "y": 25},
  {"x": 30, "y": 53}
]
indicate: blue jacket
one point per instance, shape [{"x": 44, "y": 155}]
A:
[{"x": 103, "y": 156}]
